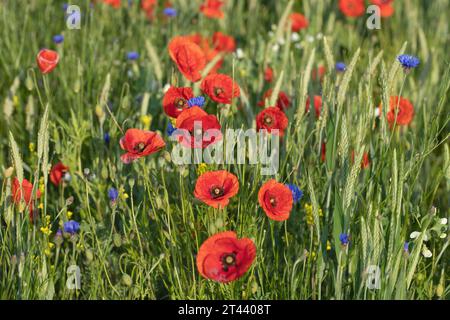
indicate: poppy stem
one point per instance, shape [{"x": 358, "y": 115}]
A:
[{"x": 114, "y": 119}]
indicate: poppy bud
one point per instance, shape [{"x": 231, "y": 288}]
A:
[{"x": 47, "y": 60}]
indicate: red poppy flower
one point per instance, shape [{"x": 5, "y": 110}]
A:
[
  {"x": 318, "y": 73},
  {"x": 57, "y": 173},
  {"x": 25, "y": 192},
  {"x": 210, "y": 54},
  {"x": 149, "y": 6},
  {"x": 352, "y": 8},
  {"x": 298, "y": 22},
  {"x": 210, "y": 128},
  {"x": 215, "y": 188},
  {"x": 113, "y": 3},
  {"x": 268, "y": 74},
  {"x": 188, "y": 56},
  {"x": 224, "y": 258},
  {"x": 317, "y": 105},
  {"x": 47, "y": 60},
  {"x": 323, "y": 151},
  {"x": 220, "y": 88},
  {"x": 198, "y": 39},
  {"x": 386, "y": 8},
  {"x": 365, "y": 162},
  {"x": 139, "y": 143},
  {"x": 212, "y": 9},
  {"x": 223, "y": 42},
  {"x": 272, "y": 118},
  {"x": 276, "y": 200},
  {"x": 283, "y": 101},
  {"x": 403, "y": 114},
  {"x": 176, "y": 100}
]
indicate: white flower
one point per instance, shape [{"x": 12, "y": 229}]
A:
[
  {"x": 319, "y": 35},
  {"x": 377, "y": 112},
  {"x": 281, "y": 41},
  {"x": 414, "y": 234},
  {"x": 426, "y": 252},
  {"x": 270, "y": 33},
  {"x": 443, "y": 221},
  {"x": 443, "y": 236},
  {"x": 166, "y": 87},
  {"x": 310, "y": 38},
  {"x": 276, "y": 47},
  {"x": 239, "y": 53},
  {"x": 295, "y": 37}
]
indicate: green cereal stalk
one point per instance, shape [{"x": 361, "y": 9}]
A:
[
  {"x": 156, "y": 63},
  {"x": 18, "y": 164},
  {"x": 395, "y": 67},
  {"x": 276, "y": 90},
  {"x": 304, "y": 88},
  {"x": 346, "y": 80},
  {"x": 343, "y": 142},
  {"x": 328, "y": 54},
  {"x": 373, "y": 65}
]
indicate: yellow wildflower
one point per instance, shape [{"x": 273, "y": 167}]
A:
[
  {"x": 202, "y": 168},
  {"x": 309, "y": 214},
  {"x": 15, "y": 101},
  {"x": 31, "y": 147},
  {"x": 146, "y": 120},
  {"x": 69, "y": 214},
  {"x": 46, "y": 230}
]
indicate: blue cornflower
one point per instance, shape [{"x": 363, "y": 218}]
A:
[
  {"x": 341, "y": 67},
  {"x": 170, "y": 12},
  {"x": 113, "y": 194},
  {"x": 297, "y": 194},
  {"x": 408, "y": 61},
  {"x": 106, "y": 138},
  {"x": 58, "y": 38},
  {"x": 170, "y": 129},
  {"x": 344, "y": 238},
  {"x": 132, "y": 55},
  {"x": 196, "y": 101},
  {"x": 65, "y": 6},
  {"x": 406, "y": 247},
  {"x": 71, "y": 226}
]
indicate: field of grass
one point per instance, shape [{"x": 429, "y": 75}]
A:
[{"x": 144, "y": 244}]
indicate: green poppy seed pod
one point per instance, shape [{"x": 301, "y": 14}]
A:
[
  {"x": 104, "y": 173},
  {"x": 131, "y": 182},
  {"x": 439, "y": 290},
  {"x": 117, "y": 240},
  {"x": 125, "y": 102},
  {"x": 167, "y": 156},
  {"x": 89, "y": 255},
  {"x": 76, "y": 86},
  {"x": 29, "y": 83},
  {"x": 126, "y": 279}
]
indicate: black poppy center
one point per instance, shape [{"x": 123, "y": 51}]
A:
[
  {"x": 217, "y": 192},
  {"x": 181, "y": 103},
  {"x": 273, "y": 201},
  {"x": 228, "y": 260},
  {"x": 139, "y": 147},
  {"x": 218, "y": 91},
  {"x": 268, "y": 120}
]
